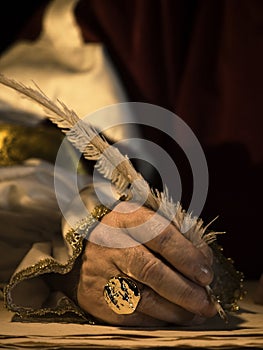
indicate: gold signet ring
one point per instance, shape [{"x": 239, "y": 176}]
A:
[{"x": 122, "y": 295}]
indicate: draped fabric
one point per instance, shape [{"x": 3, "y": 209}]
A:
[
  {"x": 203, "y": 60},
  {"x": 42, "y": 231}
]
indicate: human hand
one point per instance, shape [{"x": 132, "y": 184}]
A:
[{"x": 169, "y": 271}]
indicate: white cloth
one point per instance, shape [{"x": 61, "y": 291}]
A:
[
  {"x": 65, "y": 68},
  {"x": 29, "y": 211},
  {"x": 82, "y": 76},
  {"x": 77, "y": 73}
]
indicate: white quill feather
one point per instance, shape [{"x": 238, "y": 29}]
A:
[{"x": 117, "y": 168}]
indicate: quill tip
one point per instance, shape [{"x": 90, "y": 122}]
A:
[{"x": 217, "y": 304}]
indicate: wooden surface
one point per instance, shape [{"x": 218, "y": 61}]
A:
[{"x": 245, "y": 330}]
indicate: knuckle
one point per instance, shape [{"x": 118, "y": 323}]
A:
[
  {"x": 124, "y": 212},
  {"x": 188, "y": 295},
  {"x": 141, "y": 264},
  {"x": 164, "y": 240},
  {"x": 130, "y": 262},
  {"x": 148, "y": 270}
]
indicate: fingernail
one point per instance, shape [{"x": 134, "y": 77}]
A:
[{"x": 204, "y": 275}]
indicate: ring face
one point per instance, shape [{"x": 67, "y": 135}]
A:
[{"x": 122, "y": 295}]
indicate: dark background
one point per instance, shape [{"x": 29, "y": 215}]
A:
[{"x": 202, "y": 60}]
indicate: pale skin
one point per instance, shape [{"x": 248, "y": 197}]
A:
[{"x": 169, "y": 270}]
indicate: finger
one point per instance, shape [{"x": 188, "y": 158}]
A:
[
  {"x": 163, "y": 238},
  {"x": 207, "y": 252},
  {"x": 151, "y": 303},
  {"x": 155, "y": 306},
  {"x": 152, "y": 309},
  {"x": 182, "y": 255},
  {"x": 90, "y": 298},
  {"x": 146, "y": 268}
]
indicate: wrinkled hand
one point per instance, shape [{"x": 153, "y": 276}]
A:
[{"x": 168, "y": 269}]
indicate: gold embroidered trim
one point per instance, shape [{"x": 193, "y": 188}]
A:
[
  {"x": 19, "y": 143},
  {"x": 99, "y": 211},
  {"x": 75, "y": 238},
  {"x": 45, "y": 266}
]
